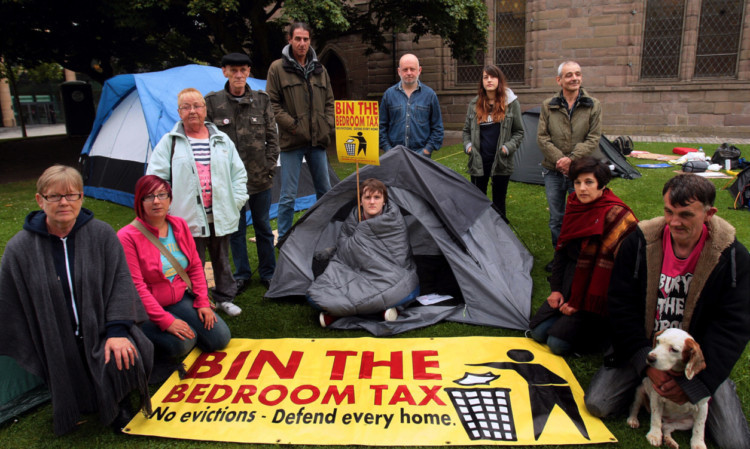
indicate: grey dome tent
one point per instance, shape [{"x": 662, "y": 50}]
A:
[
  {"x": 484, "y": 265},
  {"x": 527, "y": 160}
]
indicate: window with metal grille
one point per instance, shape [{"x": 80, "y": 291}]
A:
[
  {"x": 510, "y": 38},
  {"x": 468, "y": 72},
  {"x": 662, "y": 39},
  {"x": 718, "y": 38}
]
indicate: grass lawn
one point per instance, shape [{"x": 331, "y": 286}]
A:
[{"x": 261, "y": 318}]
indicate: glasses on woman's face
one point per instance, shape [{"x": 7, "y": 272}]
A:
[
  {"x": 150, "y": 197},
  {"x": 188, "y": 107},
  {"x": 55, "y": 198}
]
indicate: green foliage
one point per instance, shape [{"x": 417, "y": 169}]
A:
[
  {"x": 458, "y": 22},
  {"x": 46, "y": 71},
  {"x": 321, "y": 15},
  {"x": 263, "y": 318},
  {"x": 108, "y": 37}
]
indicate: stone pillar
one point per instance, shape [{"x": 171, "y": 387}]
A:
[
  {"x": 69, "y": 75},
  {"x": 9, "y": 119}
]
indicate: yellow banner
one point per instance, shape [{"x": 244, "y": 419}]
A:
[
  {"x": 374, "y": 391},
  {"x": 357, "y": 127}
]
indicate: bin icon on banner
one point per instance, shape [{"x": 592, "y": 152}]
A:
[
  {"x": 485, "y": 413},
  {"x": 350, "y": 146}
]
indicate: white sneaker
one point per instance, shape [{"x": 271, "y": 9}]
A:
[
  {"x": 390, "y": 314},
  {"x": 229, "y": 308}
]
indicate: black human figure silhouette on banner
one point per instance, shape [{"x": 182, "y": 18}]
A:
[
  {"x": 546, "y": 389},
  {"x": 362, "y": 148}
]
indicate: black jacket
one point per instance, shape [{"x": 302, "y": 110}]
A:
[{"x": 717, "y": 309}]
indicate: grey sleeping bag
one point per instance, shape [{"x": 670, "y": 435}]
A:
[{"x": 371, "y": 270}]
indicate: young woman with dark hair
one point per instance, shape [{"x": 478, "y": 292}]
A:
[
  {"x": 493, "y": 131},
  {"x": 596, "y": 221}
]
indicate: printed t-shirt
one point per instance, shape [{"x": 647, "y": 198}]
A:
[{"x": 674, "y": 282}]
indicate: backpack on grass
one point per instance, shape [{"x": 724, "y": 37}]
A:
[
  {"x": 740, "y": 189},
  {"x": 624, "y": 145},
  {"x": 727, "y": 152}
]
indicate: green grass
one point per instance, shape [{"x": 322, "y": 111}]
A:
[{"x": 261, "y": 318}]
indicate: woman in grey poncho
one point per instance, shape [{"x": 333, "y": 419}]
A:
[
  {"x": 373, "y": 270},
  {"x": 71, "y": 309}
]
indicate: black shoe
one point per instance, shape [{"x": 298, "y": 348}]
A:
[
  {"x": 548, "y": 267},
  {"x": 124, "y": 416},
  {"x": 242, "y": 285},
  {"x": 162, "y": 370},
  {"x": 265, "y": 283}
]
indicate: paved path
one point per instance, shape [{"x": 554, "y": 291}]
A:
[
  {"x": 451, "y": 137},
  {"x": 32, "y": 131}
]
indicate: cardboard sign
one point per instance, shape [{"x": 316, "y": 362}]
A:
[
  {"x": 357, "y": 127},
  {"x": 370, "y": 391}
]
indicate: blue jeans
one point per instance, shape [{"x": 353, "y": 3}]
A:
[
  {"x": 556, "y": 186},
  {"x": 556, "y": 345},
  {"x": 238, "y": 246},
  {"x": 171, "y": 347},
  {"x": 259, "y": 204},
  {"x": 612, "y": 390},
  {"x": 291, "y": 164}
]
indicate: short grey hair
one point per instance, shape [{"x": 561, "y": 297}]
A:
[{"x": 564, "y": 63}]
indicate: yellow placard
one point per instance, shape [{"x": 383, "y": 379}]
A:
[
  {"x": 371, "y": 391},
  {"x": 357, "y": 126}
]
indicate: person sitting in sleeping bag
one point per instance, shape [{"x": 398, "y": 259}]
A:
[{"x": 372, "y": 271}]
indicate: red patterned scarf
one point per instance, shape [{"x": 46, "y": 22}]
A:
[{"x": 601, "y": 225}]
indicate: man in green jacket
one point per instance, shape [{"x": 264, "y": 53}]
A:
[
  {"x": 245, "y": 116},
  {"x": 569, "y": 128},
  {"x": 302, "y": 101}
]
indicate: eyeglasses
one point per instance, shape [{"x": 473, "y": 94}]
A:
[
  {"x": 150, "y": 197},
  {"x": 187, "y": 107},
  {"x": 55, "y": 198}
]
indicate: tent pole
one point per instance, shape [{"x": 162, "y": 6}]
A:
[{"x": 359, "y": 208}]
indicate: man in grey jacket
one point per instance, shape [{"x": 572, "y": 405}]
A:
[
  {"x": 245, "y": 116},
  {"x": 569, "y": 128}
]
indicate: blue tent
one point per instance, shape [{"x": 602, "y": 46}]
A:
[{"x": 135, "y": 111}]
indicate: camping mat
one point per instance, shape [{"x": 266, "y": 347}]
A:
[
  {"x": 375, "y": 391},
  {"x": 653, "y": 156},
  {"x": 653, "y": 165},
  {"x": 709, "y": 174}
]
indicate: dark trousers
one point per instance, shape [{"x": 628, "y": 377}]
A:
[
  {"x": 499, "y": 190},
  {"x": 259, "y": 206},
  {"x": 218, "y": 250}
]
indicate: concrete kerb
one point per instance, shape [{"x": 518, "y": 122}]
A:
[{"x": 453, "y": 137}]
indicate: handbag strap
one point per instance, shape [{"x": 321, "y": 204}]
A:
[{"x": 163, "y": 249}]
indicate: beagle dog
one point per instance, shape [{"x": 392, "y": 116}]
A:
[{"x": 677, "y": 352}]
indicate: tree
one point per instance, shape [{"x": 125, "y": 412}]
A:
[{"x": 106, "y": 37}]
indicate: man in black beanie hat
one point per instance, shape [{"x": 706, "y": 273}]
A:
[{"x": 245, "y": 115}]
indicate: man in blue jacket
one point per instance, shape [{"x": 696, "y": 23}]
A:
[{"x": 410, "y": 112}]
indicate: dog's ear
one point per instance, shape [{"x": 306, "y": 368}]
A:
[
  {"x": 656, "y": 335},
  {"x": 693, "y": 356}
]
